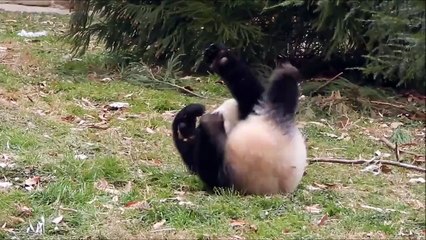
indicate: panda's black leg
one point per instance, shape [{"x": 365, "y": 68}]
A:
[
  {"x": 210, "y": 151},
  {"x": 242, "y": 84},
  {"x": 283, "y": 94}
]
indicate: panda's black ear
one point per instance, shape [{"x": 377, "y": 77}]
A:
[
  {"x": 280, "y": 60},
  {"x": 211, "y": 52}
]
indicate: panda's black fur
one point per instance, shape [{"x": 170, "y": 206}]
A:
[{"x": 251, "y": 142}]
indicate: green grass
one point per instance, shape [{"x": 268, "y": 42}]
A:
[{"x": 47, "y": 102}]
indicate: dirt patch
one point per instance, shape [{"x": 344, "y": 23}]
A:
[
  {"x": 18, "y": 61},
  {"x": 33, "y": 9}
]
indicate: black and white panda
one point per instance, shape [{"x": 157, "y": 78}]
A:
[{"x": 251, "y": 142}]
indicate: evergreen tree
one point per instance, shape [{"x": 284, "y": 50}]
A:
[{"x": 385, "y": 38}]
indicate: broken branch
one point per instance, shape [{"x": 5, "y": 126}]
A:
[
  {"x": 393, "y": 147},
  {"x": 176, "y": 86},
  {"x": 326, "y": 83},
  {"x": 388, "y": 104},
  {"x": 362, "y": 161}
]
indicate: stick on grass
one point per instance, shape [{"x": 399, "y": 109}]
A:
[{"x": 361, "y": 161}]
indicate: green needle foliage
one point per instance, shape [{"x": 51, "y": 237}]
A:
[{"x": 383, "y": 39}]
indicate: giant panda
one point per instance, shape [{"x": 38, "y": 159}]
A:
[{"x": 251, "y": 142}]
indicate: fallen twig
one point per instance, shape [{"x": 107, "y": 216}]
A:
[
  {"x": 176, "y": 86},
  {"x": 393, "y": 147},
  {"x": 381, "y": 210},
  {"x": 163, "y": 230},
  {"x": 388, "y": 104},
  {"x": 362, "y": 161},
  {"x": 68, "y": 209},
  {"x": 326, "y": 83}
]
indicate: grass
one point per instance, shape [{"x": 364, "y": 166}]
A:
[{"x": 93, "y": 176}]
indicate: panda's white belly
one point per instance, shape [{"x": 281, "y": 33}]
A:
[{"x": 263, "y": 160}]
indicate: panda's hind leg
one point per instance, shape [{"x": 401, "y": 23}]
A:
[{"x": 210, "y": 151}]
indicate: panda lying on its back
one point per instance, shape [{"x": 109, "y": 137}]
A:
[{"x": 251, "y": 142}]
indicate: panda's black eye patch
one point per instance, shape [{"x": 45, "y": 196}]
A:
[{"x": 212, "y": 51}]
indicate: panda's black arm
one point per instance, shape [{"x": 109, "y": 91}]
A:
[
  {"x": 185, "y": 133},
  {"x": 242, "y": 84},
  {"x": 209, "y": 150}
]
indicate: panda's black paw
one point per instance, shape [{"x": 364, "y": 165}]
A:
[
  {"x": 185, "y": 130},
  {"x": 193, "y": 110},
  {"x": 213, "y": 51}
]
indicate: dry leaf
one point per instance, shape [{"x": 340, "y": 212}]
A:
[
  {"x": 32, "y": 181},
  {"x": 417, "y": 180},
  {"x": 108, "y": 206},
  {"x": 5, "y": 185},
  {"x": 372, "y": 168},
  {"x": 179, "y": 193},
  {"x": 395, "y": 125},
  {"x": 159, "y": 224},
  {"x": 137, "y": 205},
  {"x": 117, "y": 105},
  {"x": 312, "y": 188},
  {"x": 12, "y": 221},
  {"x": 24, "y": 211},
  {"x": 188, "y": 203},
  {"x": 100, "y": 125},
  {"x": 237, "y": 237},
  {"x": 313, "y": 209},
  {"x": 385, "y": 169},
  {"x": 149, "y": 130},
  {"x": 102, "y": 117},
  {"x": 128, "y": 187},
  {"x": 344, "y": 136},
  {"x": 372, "y": 208},
  {"x": 7, "y": 230},
  {"x": 331, "y": 135},
  {"x": 322, "y": 221},
  {"x": 80, "y": 157},
  {"x": 69, "y": 118},
  {"x": 58, "y": 219},
  {"x": 237, "y": 223},
  {"x": 253, "y": 227},
  {"x": 322, "y": 186},
  {"x": 103, "y": 185},
  {"x": 420, "y": 159}
]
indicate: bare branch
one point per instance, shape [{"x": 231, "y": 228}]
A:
[
  {"x": 326, "y": 83},
  {"x": 388, "y": 104},
  {"x": 393, "y": 147},
  {"x": 362, "y": 161},
  {"x": 176, "y": 86}
]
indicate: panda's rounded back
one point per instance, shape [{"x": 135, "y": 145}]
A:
[{"x": 263, "y": 159}]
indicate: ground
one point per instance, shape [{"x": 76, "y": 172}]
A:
[{"x": 73, "y": 167}]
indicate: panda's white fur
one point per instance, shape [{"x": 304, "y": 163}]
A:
[
  {"x": 264, "y": 160},
  {"x": 229, "y": 111}
]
